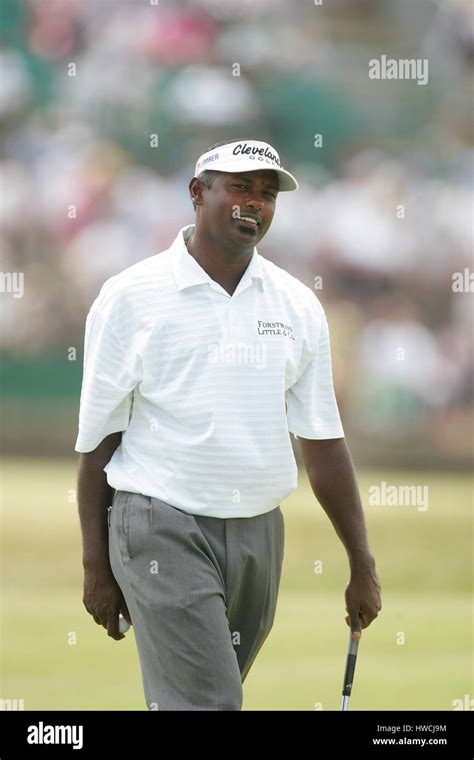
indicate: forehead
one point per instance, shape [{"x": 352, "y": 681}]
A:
[{"x": 266, "y": 176}]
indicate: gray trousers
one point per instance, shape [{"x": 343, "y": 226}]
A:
[{"x": 202, "y": 594}]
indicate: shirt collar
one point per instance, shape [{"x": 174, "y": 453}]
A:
[{"x": 187, "y": 272}]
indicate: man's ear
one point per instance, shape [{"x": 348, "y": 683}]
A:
[{"x": 195, "y": 191}]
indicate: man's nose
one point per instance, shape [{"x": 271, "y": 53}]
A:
[{"x": 255, "y": 201}]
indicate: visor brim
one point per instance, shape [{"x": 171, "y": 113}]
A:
[{"x": 286, "y": 181}]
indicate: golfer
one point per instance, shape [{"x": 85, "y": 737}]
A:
[{"x": 199, "y": 361}]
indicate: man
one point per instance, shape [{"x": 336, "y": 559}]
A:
[{"x": 198, "y": 362}]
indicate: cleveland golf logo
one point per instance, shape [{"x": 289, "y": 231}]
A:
[
  {"x": 41, "y": 734},
  {"x": 251, "y": 152}
]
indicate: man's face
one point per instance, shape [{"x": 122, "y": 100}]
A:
[{"x": 233, "y": 196}]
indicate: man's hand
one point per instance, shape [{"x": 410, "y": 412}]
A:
[
  {"x": 102, "y": 596},
  {"x": 332, "y": 477},
  {"x": 103, "y": 599},
  {"x": 363, "y": 598}
]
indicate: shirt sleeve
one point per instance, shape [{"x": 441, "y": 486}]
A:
[
  {"x": 312, "y": 410},
  {"x": 108, "y": 382}
]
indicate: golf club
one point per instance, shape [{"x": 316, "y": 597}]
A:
[{"x": 349, "y": 672}]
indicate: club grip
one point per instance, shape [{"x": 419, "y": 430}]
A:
[{"x": 350, "y": 668}]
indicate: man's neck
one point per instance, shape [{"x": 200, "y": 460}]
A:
[{"x": 225, "y": 266}]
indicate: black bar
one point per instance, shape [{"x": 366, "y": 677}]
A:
[{"x": 374, "y": 733}]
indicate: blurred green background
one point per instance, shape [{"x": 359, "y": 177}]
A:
[
  {"x": 81, "y": 139},
  {"x": 424, "y": 563},
  {"x": 100, "y": 130}
]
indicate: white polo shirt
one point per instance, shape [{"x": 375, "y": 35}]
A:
[{"x": 204, "y": 385}]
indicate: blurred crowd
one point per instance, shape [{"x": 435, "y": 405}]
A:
[{"x": 105, "y": 106}]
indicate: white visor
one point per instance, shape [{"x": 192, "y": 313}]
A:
[{"x": 246, "y": 156}]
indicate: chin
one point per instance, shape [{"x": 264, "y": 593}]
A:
[{"x": 250, "y": 237}]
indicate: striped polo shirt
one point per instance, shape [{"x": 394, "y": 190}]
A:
[{"x": 206, "y": 386}]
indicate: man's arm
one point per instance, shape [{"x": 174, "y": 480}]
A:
[
  {"x": 332, "y": 477},
  {"x": 102, "y": 597}
]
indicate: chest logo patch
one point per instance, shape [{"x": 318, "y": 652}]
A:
[{"x": 275, "y": 328}]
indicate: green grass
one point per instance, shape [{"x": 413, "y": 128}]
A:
[{"x": 55, "y": 657}]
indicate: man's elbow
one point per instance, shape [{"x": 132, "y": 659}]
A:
[{"x": 102, "y": 454}]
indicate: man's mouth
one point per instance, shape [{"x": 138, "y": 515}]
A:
[{"x": 248, "y": 221}]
